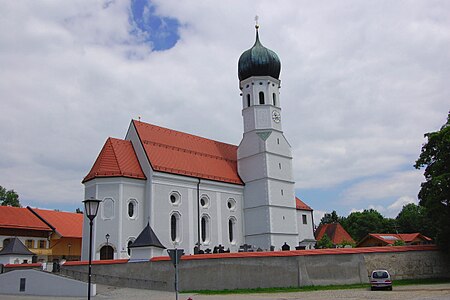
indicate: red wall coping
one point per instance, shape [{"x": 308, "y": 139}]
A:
[
  {"x": 304, "y": 252},
  {"x": 23, "y": 265},
  {"x": 333, "y": 251},
  {"x": 96, "y": 262}
]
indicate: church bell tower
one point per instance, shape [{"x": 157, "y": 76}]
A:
[{"x": 264, "y": 154}]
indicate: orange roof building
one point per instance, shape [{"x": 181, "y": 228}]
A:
[
  {"x": 199, "y": 192},
  {"x": 337, "y": 234},
  {"x": 389, "y": 239},
  {"x": 48, "y": 234}
]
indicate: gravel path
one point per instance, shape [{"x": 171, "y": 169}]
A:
[{"x": 411, "y": 292}]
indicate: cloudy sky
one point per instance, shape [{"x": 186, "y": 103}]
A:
[{"x": 362, "y": 81}]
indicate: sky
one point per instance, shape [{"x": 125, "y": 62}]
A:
[{"x": 362, "y": 81}]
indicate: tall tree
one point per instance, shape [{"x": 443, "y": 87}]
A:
[
  {"x": 412, "y": 218},
  {"x": 9, "y": 197},
  {"x": 359, "y": 224},
  {"x": 434, "y": 194},
  {"x": 330, "y": 218}
]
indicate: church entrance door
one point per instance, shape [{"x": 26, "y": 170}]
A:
[{"x": 106, "y": 252}]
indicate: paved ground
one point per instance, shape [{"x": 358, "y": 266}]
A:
[{"x": 412, "y": 292}]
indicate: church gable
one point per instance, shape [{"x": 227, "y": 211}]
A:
[
  {"x": 116, "y": 159},
  {"x": 180, "y": 153}
]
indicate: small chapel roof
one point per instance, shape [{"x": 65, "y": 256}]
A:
[
  {"x": 335, "y": 232},
  {"x": 116, "y": 159},
  {"x": 147, "y": 238},
  {"x": 185, "y": 154},
  {"x": 15, "y": 246}
]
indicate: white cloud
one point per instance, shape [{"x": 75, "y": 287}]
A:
[
  {"x": 406, "y": 184},
  {"x": 318, "y": 215},
  {"x": 361, "y": 83}
]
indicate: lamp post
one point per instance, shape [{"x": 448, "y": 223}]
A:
[
  {"x": 90, "y": 209},
  {"x": 107, "y": 236}
]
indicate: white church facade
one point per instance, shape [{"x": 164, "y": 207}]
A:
[{"x": 194, "y": 193}]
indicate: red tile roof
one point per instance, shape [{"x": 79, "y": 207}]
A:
[
  {"x": 180, "y": 153},
  {"x": 116, "y": 159},
  {"x": 20, "y": 218},
  {"x": 335, "y": 232},
  {"x": 391, "y": 238},
  {"x": 301, "y": 205},
  {"x": 66, "y": 224}
]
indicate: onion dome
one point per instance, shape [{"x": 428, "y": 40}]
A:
[{"x": 258, "y": 61}]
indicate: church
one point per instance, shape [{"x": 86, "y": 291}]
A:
[{"x": 168, "y": 189}]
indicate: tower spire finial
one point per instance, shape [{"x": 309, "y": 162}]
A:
[{"x": 256, "y": 22}]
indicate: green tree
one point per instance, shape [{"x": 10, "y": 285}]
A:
[
  {"x": 359, "y": 224},
  {"x": 324, "y": 242},
  {"x": 434, "y": 194},
  {"x": 398, "y": 243},
  {"x": 9, "y": 197},
  {"x": 330, "y": 218}
]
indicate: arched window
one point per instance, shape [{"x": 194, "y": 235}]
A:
[
  {"x": 107, "y": 252},
  {"x": 231, "y": 226},
  {"x": 128, "y": 247},
  {"x": 6, "y": 242},
  {"x": 274, "y": 99},
  {"x": 175, "y": 227},
  {"x": 205, "y": 229},
  {"x": 248, "y": 100},
  {"x": 261, "y": 97},
  {"x": 132, "y": 208}
]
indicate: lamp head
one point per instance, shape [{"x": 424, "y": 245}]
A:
[{"x": 91, "y": 207}]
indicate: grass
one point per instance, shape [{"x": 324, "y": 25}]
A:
[{"x": 318, "y": 287}]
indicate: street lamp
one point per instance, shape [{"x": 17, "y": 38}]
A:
[
  {"x": 90, "y": 209},
  {"x": 107, "y": 236}
]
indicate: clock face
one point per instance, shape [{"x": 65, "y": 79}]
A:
[{"x": 276, "y": 117}]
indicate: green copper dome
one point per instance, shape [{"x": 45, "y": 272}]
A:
[{"x": 258, "y": 61}]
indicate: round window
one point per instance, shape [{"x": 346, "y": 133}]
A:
[
  {"x": 231, "y": 204},
  {"x": 204, "y": 202},
  {"x": 174, "y": 198}
]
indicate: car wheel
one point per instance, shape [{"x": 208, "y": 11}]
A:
[
  {"x": 372, "y": 288},
  {"x": 390, "y": 288}
]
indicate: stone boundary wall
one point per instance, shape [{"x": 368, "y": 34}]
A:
[{"x": 269, "y": 269}]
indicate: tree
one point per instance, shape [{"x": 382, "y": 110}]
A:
[
  {"x": 324, "y": 242},
  {"x": 9, "y": 197},
  {"x": 434, "y": 194},
  {"x": 398, "y": 243},
  {"x": 359, "y": 224},
  {"x": 330, "y": 218},
  {"x": 410, "y": 218}
]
